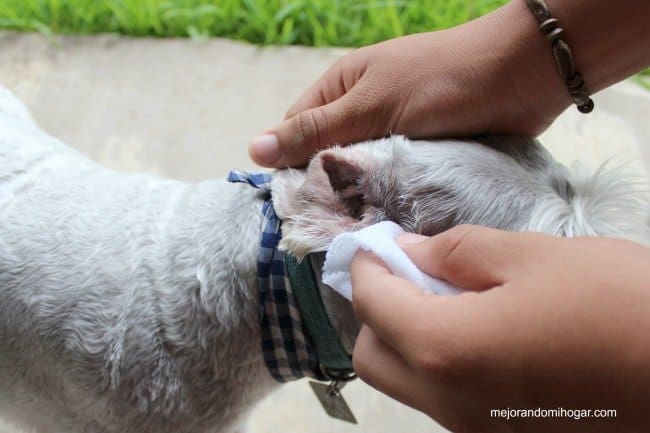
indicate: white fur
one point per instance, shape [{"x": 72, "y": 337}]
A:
[
  {"x": 608, "y": 202},
  {"x": 426, "y": 187},
  {"x": 129, "y": 302}
]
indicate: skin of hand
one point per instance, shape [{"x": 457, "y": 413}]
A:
[
  {"x": 546, "y": 322},
  {"x": 495, "y": 74}
]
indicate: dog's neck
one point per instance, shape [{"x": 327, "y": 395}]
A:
[{"x": 295, "y": 331}]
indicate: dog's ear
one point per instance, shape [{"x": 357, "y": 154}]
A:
[
  {"x": 335, "y": 177},
  {"x": 345, "y": 178},
  {"x": 326, "y": 200},
  {"x": 284, "y": 192}
]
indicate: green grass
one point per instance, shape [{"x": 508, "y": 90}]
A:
[
  {"x": 346, "y": 23},
  {"x": 284, "y": 22},
  {"x": 643, "y": 78}
]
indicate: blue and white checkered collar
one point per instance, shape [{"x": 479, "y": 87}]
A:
[{"x": 288, "y": 353}]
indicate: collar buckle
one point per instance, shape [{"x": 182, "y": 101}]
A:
[{"x": 335, "y": 375}]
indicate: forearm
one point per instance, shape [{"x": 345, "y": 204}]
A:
[
  {"x": 611, "y": 39},
  {"x": 609, "y": 42}
]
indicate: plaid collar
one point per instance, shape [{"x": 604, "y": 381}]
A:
[{"x": 287, "y": 351}]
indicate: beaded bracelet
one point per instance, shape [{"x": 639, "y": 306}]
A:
[{"x": 562, "y": 54}]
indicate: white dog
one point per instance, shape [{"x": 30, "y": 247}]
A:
[{"x": 130, "y": 303}]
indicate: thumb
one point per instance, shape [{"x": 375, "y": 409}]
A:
[{"x": 295, "y": 140}]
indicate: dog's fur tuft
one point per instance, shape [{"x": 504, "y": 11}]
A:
[{"x": 608, "y": 202}]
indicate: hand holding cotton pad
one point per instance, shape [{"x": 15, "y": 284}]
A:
[{"x": 378, "y": 239}]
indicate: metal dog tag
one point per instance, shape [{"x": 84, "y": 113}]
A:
[{"x": 332, "y": 400}]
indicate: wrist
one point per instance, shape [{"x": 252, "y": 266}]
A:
[
  {"x": 529, "y": 65},
  {"x": 616, "y": 50}
]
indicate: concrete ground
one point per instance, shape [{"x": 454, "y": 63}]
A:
[{"x": 186, "y": 109}]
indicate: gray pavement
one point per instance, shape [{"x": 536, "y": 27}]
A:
[{"x": 186, "y": 109}]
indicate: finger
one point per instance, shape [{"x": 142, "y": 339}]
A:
[
  {"x": 384, "y": 369},
  {"x": 471, "y": 257},
  {"x": 322, "y": 92},
  {"x": 339, "y": 79},
  {"x": 426, "y": 330},
  {"x": 385, "y": 302},
  {"x": 295, "y": 140}
]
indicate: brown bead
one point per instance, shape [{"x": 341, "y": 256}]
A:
[
  {"x": 563, "y": 59},
  {"x": 586, "y": 108},
  {"x": 575, "y": 82},
  {"x": 562, "y": 53},
  {"x": 554, "y": 35},
  {"x": 580, "y": 98},
  {"x": 548, "y": 25}
]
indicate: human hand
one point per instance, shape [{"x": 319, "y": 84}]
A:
[
  {"x": 546, "y": 322},
  {"x": 460, "y": 81},
  {"x": 495, "y": 74}
]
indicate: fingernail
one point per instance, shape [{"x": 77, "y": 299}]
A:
[
  {"x": 410, "y": 238},
  {"x": 264, "y": 149}
]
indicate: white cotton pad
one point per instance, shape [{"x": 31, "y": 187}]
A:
[{"x": 378, "y": 239}]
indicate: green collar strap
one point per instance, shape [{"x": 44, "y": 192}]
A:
[{"x": 335, "y": 362}]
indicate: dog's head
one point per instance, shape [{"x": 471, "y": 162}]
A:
[{"x": 428, "y": 187}]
